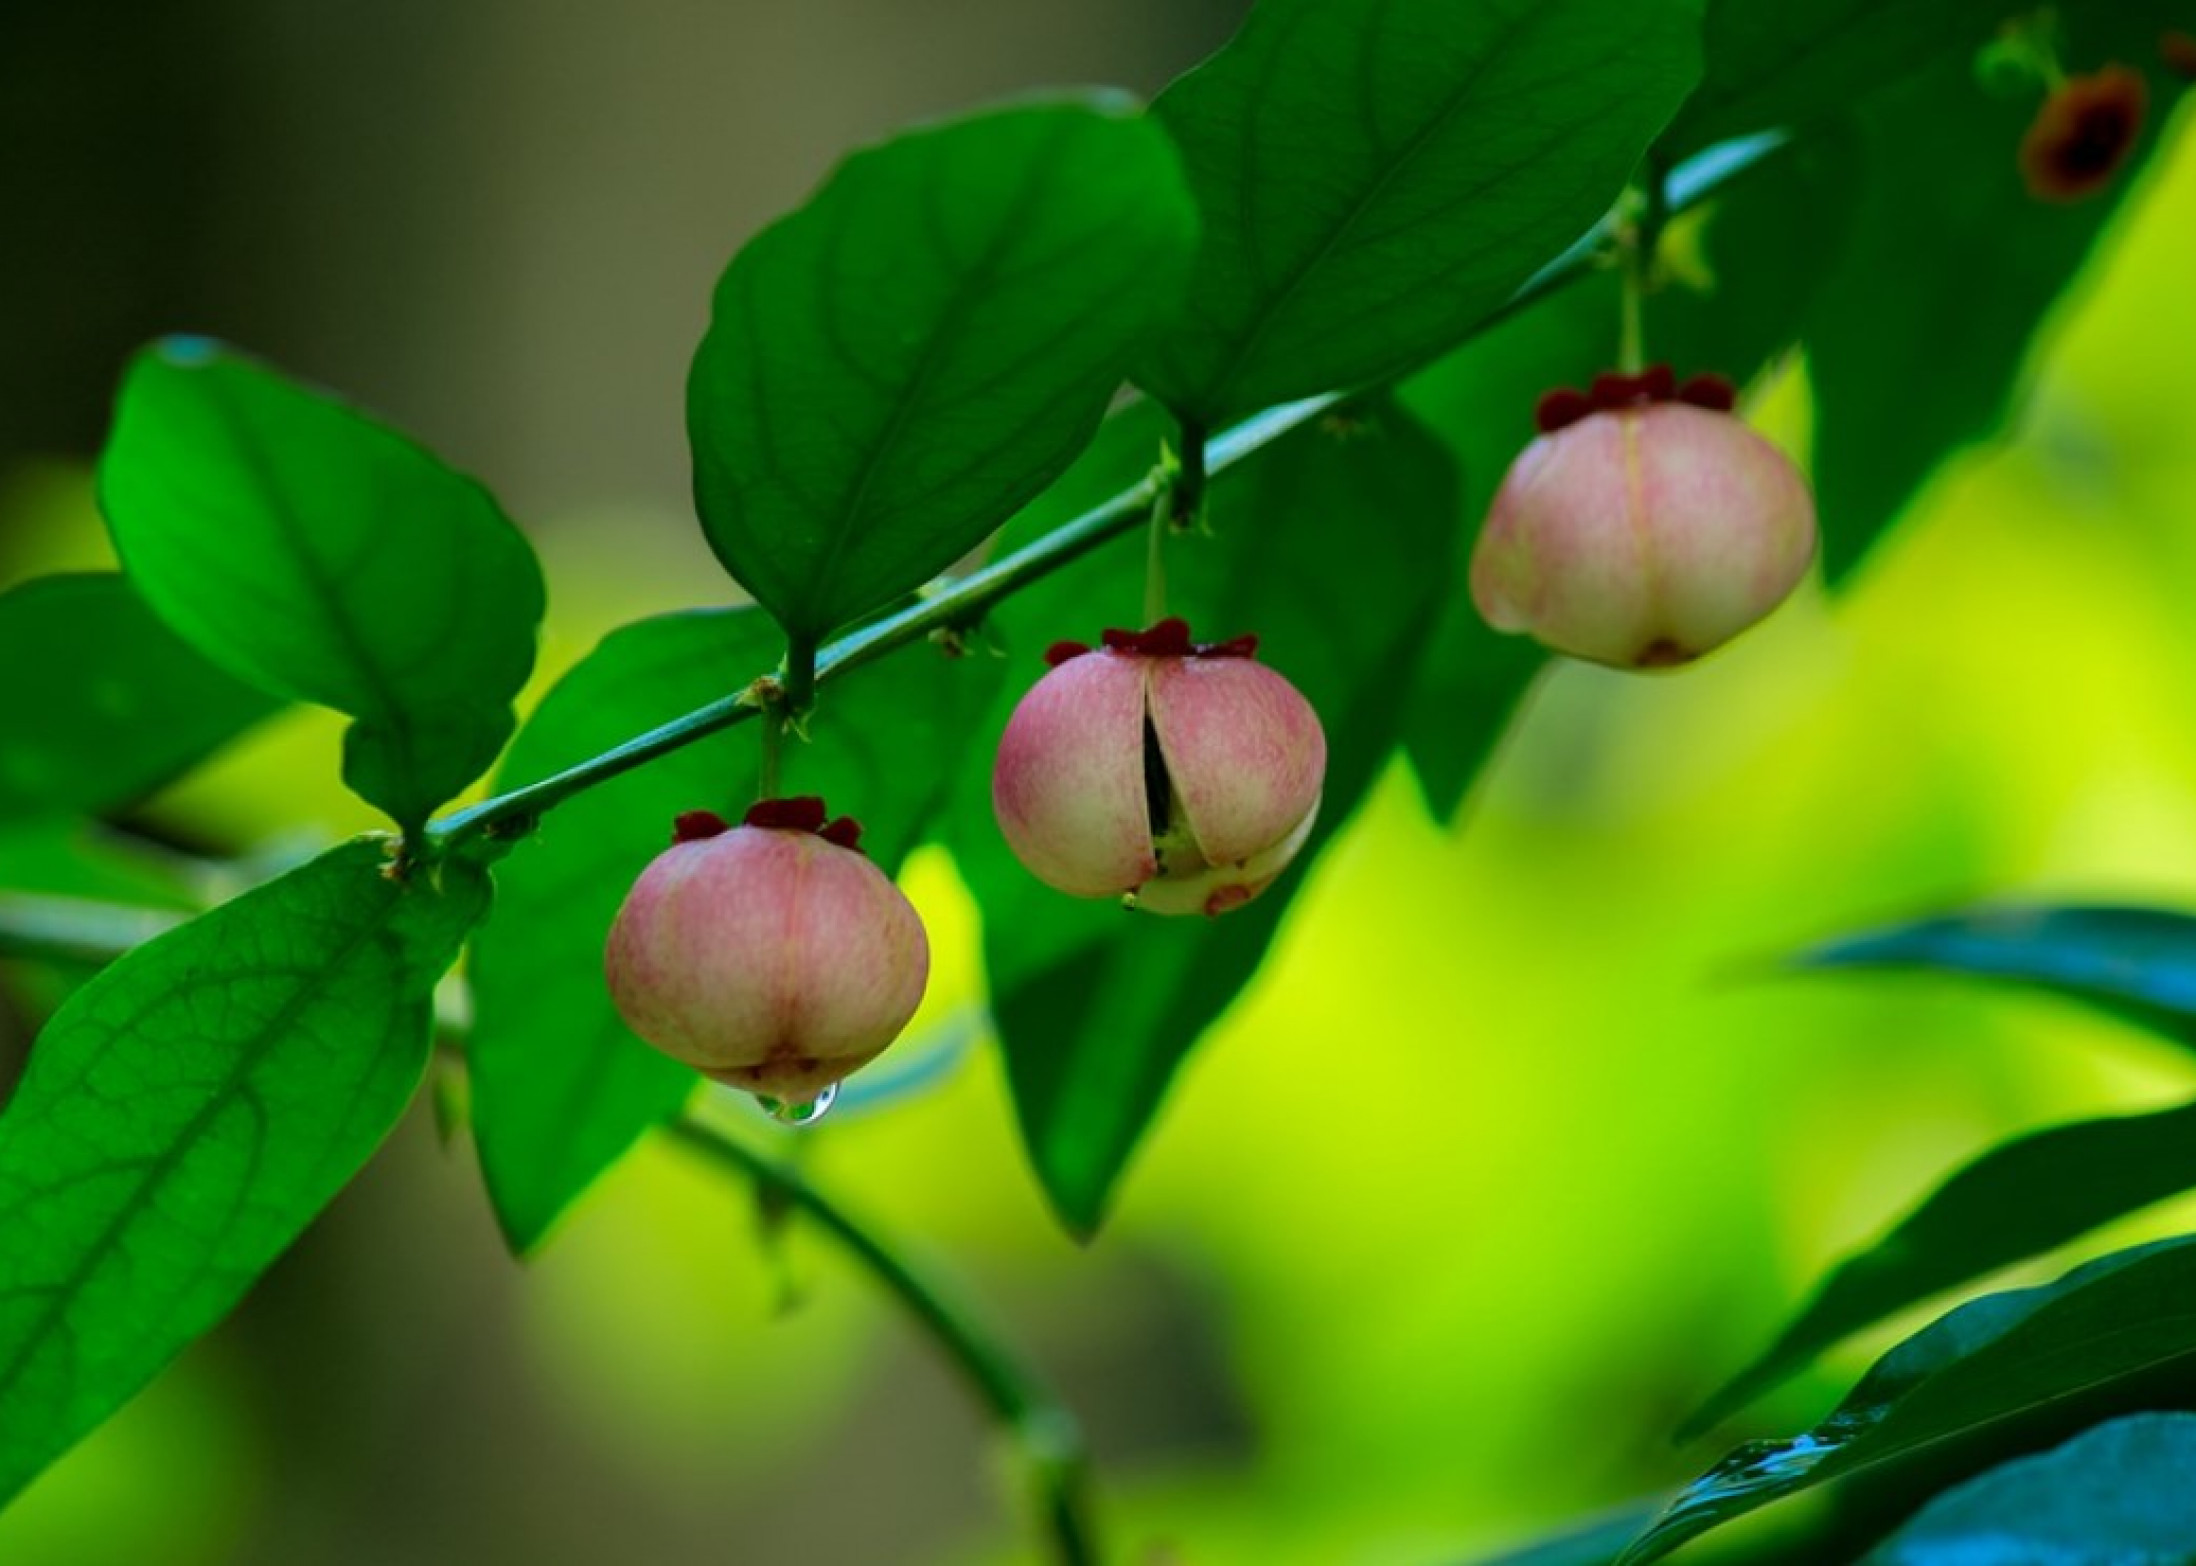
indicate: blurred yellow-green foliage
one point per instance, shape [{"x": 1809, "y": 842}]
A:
[{"x": 1511, "y": 1152}]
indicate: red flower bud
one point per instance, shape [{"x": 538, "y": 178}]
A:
[
  {"x": 2083, "y": 133},
  {"x": 1644, "y": 533},
  {"x": 771, "y": 955},
  {"x": 1184, "y": 777}
]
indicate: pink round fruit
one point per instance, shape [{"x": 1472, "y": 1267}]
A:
[
  {"x": 773, "y": 956},
  {"x": 1647, "y": 526},
  {"x": 1184, "y": 777}
]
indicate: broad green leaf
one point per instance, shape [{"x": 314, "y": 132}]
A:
[
  {"x": 1978, "y": 1385},
  {"x": 1377, "y": 176},
  {"x": 1799, "y": 61},
  {"x": 321, "y": 556},
  {"x": 1916, "y": 340},
  {"x": 2016, "y": 1201},
  {"x": 1334, "y": 547},
  {"x": 560, "y": 1088},
  {"x": 894, "y": 368},
  {"x": 2137, "y": 964},
  {"x": 188, "y": 1113},
  {"x": 119, "y": 704},
  {"x": 2117, "y": 1495}
]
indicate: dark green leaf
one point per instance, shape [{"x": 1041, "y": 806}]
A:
[
  {"x": 120, "y": 704},
  {"x": 894, "y": 368},
  {"x": 2117, "y": 1495},
  {"x": 186, "y": 1115},
  {"x": 1976, "y": 1386},
  {"x": 323, "y": 557},
  {"x": 1916, "y": 341},
  {"x": 1591, "y": 1544},
  {"x": 2138, "y": 964},
  {"x": 1334, "y": 547},
  {"x": 1798, "y": 61},
  {"x": 560, "y": 1088},
  {"x": 1377, "y": 176},
  {"x": 2016, "y": 1201}
]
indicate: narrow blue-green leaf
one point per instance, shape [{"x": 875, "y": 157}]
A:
[
  {"x": 119, "y": 704},
  {"x": 2117, "y": 1495},
  {"x": 1798, "y": 61},
  {"x": 894, "y": 368},
  {"x": 1917, "y": 339},
  {"x": 1979, "y": 1385},
  {"x": 186, "y": 1115},
  {"x": 2018, "y": 1200},
  {"x": 1376, "y": 176},
  {"x": 1335, "y": 549},
  {"x": 560, "y": 1088},
  {"x": 321, "y": 556},
  {"x": 2138, "y": 964}
]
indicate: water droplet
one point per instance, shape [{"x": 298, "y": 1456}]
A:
[{"x": 806, "y": 1113}]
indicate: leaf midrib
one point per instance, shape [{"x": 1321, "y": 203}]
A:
[{"x": 261, "y": 1044}]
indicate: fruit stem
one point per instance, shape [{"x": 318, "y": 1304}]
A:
[
  {"x": 1043, "y": 1431},
  {"x": 1155, "y": 563}
]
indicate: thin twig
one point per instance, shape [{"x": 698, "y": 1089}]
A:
[{"x": 1044, "y": 1432}]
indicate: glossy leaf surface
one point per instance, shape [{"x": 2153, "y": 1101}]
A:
[
  {"x": 2002, "y": 1369},
  {"x": 560, "y": 1087},
  {"x": 119, "y": 704},
  {"x": 894, "y": 368},
  {"x": 1377, "y": 176},
  {"x": 321, "y": 556},
  {"x": 2016, "y": 1201},
  {"x": 187, "y": 1113}
]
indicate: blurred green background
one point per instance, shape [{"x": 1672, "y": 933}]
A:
[{"x": 1511, "y": 1153}]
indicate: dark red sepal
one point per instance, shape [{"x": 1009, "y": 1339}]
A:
[
  {"x": 1170, "y": 638},
  {"x": 845, "y": 831},
  {"x": 1560, "y": 408},
  {"x": 801, "y": 813},
  {"x": 1711, "y": 391},
  {"x": 691, "y": 826},
  {"x": 1612, "y": 390},
  {"x": 1060, "y": 652}
]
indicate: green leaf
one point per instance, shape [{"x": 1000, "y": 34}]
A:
[
  {"x": 2016, "y": 1201},
  {"x": 1377, "y": 176},
  {"x": 320, "y": 556},
  {"x": 120, "y": 704},
  {"x": 1334, "y": 547},
  {"x": 1918, "y": 337},
  {"x": 188, "y": 1112},
  {"x": 2137, "y": 964},
  {"x": 1799, "y": 61},
  {"x": 2117, "y": 1495},
  {"x": 894, "y": 368},
  {"x": 1980, "y": 1384},
  {"x": 560, "y": 1088}
]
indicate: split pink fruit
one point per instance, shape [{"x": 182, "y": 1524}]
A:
[
  {"x": 1182, "y": 776},
  {"x": 1646, "y": 526},
  {"x": 771, "y": 955}
]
